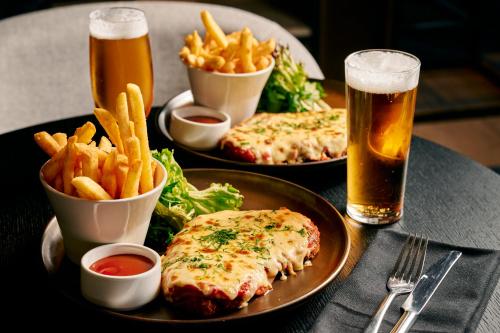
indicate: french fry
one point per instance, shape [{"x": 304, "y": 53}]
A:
[
  {"x": 108, "y": 122},
  {"x": 105, "y": 144},
  {"x": 231, "y": 51},
  {"x": 78, "y": 168},
  {"x": 101, "y": 154},
  {"x": 89, "y": 189},
  {"x": 47, "y": 143},
  {"x": 131, "y": 186},
  {"x": 90, "y": 164},
  {"x": 265, "y": 48},
  {"x": 121, "y": 170},
  {"x": 229, "y": 67},
  {"x": 184, "y": 52},
  {"x": 133, "y": 148},
  {"x": 54, "y": 166},
  {"x": 58, "y": 183},
  {"x": 196, "y": 44},
  {"x": 246, "y": 51},
  {"x": 261, "y": 63},
  {"x": 68, "y": 171},
  {"x": 61, "y": 139},
  {"x": 108, "y": 180},
  {"x": 200, "y": 61},
  {"x": 123, "y": 118},
  {"x": 237, "y": 52},
  {"x": 234, "y": 37},
  {"x": 191, "y": 60},
  {"x": 132, "y": 128},
  {"x": 139, "y": 118},
  {"x": 153, "y": 170},
  {"x": 213, "y": 29},
  {"x": 85, "y": 133},
  {"x": 213, "y": 62}
]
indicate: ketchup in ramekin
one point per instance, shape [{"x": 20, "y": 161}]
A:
[
  {"x": 204, "y": 119},
  {"x": 122, "y": 265}
]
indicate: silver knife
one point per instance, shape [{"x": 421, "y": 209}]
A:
[{"x": 424, "y": 290}]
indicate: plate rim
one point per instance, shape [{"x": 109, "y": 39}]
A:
[
  {"x": 160, "y": 126},
  {"x": 215, "y": 320}
]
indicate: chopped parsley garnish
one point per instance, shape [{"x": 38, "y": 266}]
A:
[
  {"x": 218, "y": 238},
  {"x": 270, "y": 226},
  {"x": 302, "y": 232}
]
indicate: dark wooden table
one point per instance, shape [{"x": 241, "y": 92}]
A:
[{"x": 448, "y": 197}]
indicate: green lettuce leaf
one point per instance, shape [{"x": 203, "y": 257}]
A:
[
  {"x": 180, "y": 202},
  {"x": 288, "y": 88}
]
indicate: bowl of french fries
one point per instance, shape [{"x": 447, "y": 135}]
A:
[
  {"x": 106, "y": 192},
  {"x": 227, "y": 72}
]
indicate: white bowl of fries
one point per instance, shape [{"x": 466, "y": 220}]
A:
[
  {"x": 103, "y": 193},
  {"x": 227, "y": 72},
  {"x": 235, "y": 94},
  {"x": 87, "y": 223}
]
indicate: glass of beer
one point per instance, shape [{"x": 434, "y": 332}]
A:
[
  {"x": 381, "y": 89},
  {"x": 119, "y": 54}
]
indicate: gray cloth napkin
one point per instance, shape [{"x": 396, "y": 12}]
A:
[{"x": 457, "y": 305}]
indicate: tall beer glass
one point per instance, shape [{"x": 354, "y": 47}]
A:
[
  {"x": 119, "y": 54},
  {"x": 381, "y": 89}
]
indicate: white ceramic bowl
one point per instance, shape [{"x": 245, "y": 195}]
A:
[
  {"x": 235, "y": 94},
  {"x": 86, "y": 224},
  {"x": 120, "y": 292},
  {"x": 196, "y": 135}
]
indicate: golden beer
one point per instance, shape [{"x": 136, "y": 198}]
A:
[
  {"x": 380, "y": 120},
  {"x": 120, "y": 53}
]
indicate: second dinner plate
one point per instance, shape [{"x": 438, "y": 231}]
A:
[
  {"x": 162, "y": 121},
  {"x": 260, "y": 192}
]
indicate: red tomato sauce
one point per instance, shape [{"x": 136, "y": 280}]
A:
[
  {"x": 204, "y": 119},
  {"x": 122, "y": 265}
]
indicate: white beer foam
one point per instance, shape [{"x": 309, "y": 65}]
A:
[
  {"x": 123, "y": 23},
  {"x": 382, "y": 72}
]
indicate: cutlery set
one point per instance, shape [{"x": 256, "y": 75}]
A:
[{"x": 406, "y": 277}]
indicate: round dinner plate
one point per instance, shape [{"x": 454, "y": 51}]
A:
[
  {"x": 260, "y": 192},
  {"x": 186, "y": 98}
]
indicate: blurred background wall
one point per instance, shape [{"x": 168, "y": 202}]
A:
[{"x": 458, "y": 42}]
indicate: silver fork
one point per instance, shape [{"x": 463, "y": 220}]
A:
[{"x": 403, "y": 277}]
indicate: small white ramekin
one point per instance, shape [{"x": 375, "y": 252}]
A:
[
  {"x": 196, "y": 135},
  {"x": 121, "y": 293}
]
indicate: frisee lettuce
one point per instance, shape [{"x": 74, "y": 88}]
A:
[
  {"x": 288, "y": 88},
  {"x": 180, "y": 202}
]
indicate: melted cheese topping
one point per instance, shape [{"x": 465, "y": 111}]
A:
[
  {"x": 224, "y": 250},
  {"x": 276, "y": 138}
]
